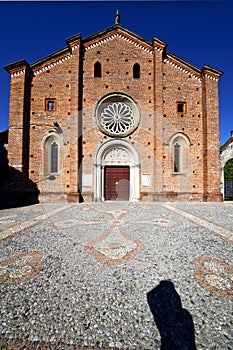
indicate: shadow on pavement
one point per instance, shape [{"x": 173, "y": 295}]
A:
[
  {"x": 16, "y": 189},
  {"x": 174, "y": 323}
]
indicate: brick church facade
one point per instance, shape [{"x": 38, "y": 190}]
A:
[{"x": 115, "y": 117}]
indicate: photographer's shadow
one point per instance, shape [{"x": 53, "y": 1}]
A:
[{"x": 174, "y": 323}]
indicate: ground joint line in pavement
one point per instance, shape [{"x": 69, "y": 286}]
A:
[
  {"x": 220, "y": 231},
  {"x": 23, "y": 225}
]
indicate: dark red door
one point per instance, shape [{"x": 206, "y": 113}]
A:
[{"x": 117, "y": 183}]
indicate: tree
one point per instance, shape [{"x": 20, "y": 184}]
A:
[{"x": 228, "y": 170}]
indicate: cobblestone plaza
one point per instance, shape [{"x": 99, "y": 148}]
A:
[{"x": 77, "y": 276}]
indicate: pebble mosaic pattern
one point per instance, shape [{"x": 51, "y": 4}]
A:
[
  {"x": 215, "y": 276},
  {"x": 75, "y": 276},
  {"x": 20, "y": 268},
  {"x": 115, "y": 247}
]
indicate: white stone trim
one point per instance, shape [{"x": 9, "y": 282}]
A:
[
  {"x": 184, "y": 137},
  {"x": 102, "y": 160},
  {"x": 16, "y": 74},
  {"x": 59, "y": 138},
  {"x": 146, "y": 180},
  {"x": 157, "y": 49},
  {"x": 17, "y": 165},
  {"x": 184, "y": 159},
  {"x": 75, "y": 47},
  {"x": 210, "y": 77},
  {"x": 87, "y": 180},
  {"x": 180, "y": 68},
  {"x": 51, "y": 65},
  {"x": 117, "y": 35}
]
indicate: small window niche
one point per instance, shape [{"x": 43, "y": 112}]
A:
[
  {"x": 181, "y": 107},
  {"x": 97, "y": 70},
  {"x": 136, "y": 71},
  {"x": 50, "y": 104}
]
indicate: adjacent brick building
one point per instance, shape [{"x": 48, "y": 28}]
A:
[{"x": 116, "y": 117}]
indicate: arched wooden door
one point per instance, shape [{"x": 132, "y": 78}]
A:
[{"x": 117, "y": 183}]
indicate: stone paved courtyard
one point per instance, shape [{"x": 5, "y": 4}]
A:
[{"x": 76, "y": 276}]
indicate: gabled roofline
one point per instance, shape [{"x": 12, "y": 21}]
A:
[
  {"x": 72, "y": 41},
  {"x": 212, "y": 70},
  {"x": 113, "y": 28},
  {"x": 15, "y": 65},
  {"x": 226, "y": 144},
  {"x": 73, "y": 38},
  {"x": 160, "y": 42},
  {"x": 50, "y": 57},
  {"x": 23, "y": 63},
  {"x": 182, "y": 61}
]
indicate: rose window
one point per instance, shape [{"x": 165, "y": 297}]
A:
[
  {"x": 117, "y": 115},
  {"x": 117, "y": 118}
]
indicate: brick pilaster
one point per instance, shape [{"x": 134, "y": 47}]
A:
[
  {"x": 75, "y": 45},
  {"x": 19, "y": 115},
  {"x": 211, "y": 143},
  {"x": 159, "y": 50}
]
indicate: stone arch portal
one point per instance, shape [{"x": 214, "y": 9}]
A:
[
  {"x": 226, "y": 156},
  {"x": 117, "y": 154}
]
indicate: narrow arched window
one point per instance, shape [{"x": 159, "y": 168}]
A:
[
  {"x": 54, "y": 157},
  {"x": 136, "y": 71},
  {"x": 97, "y": 69},
  {"x": 180, "y": 158},
  {"x": 176, "y": 158},
  {"x": 51, "y": 155}
]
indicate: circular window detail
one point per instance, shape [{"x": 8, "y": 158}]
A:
[
  {"x": 117, "y": 118},
  {"x": 117, "y": 115}
]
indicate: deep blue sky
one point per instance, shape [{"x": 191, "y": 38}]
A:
[{"x": 200, "y": 32}]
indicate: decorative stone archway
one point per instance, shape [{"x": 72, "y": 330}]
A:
[
  {"x": 117, "y": 152},
  {"x": 226, "y": 155}
]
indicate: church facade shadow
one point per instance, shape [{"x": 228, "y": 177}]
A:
[
  {"x": 16, "y": 189},
  {"x": 174, "y": 323}
]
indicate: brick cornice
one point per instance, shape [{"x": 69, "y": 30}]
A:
[
  {"x": 159, "y": 45},
  {"x": 101, "y": 37},
  {"x": 183, "y": 65},
  {"x": 50, "y": 61},
  {"x": 117, "y": 31},
  {"x": 211, "y": 73},
  {"x": 17, "y": 68},
  {"x": 74, "y": 42}
]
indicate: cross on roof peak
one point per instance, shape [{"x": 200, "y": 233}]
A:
[{"x": 117, "y": 18}]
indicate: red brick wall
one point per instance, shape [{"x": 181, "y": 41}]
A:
[
  {"x": 119, "y": 77},
  {"x": 179, "y": 86},
  {"x": 17, "y": 118},
  {"x": 211, "y": 142},
  {"x": 162, "y": 83},
  {"x": 59, "y": 82}
]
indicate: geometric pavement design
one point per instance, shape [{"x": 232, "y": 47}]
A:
[{"x": 116, "y": 246}]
